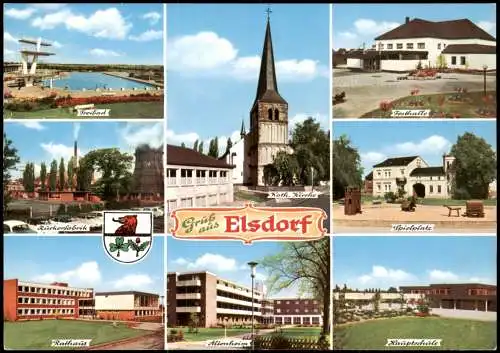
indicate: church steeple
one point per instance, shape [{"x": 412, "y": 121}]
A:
[
  {"x": 243, "y": 131},
  {"x": 267, "y": 88}
]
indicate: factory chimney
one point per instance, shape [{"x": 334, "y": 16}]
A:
[{"x": 75, "y": 155}]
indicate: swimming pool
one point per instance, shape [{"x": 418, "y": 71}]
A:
[{"x": 77, "y": 81}]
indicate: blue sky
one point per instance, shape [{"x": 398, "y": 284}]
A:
[
  {"x": 81, "y": 262},
  {"x": 213, "y": 61},
  {"x": 227, "y": 259},
  {"x": 41, "y": 142},
  {"x": 88, "y": 33},
  {"x": 377, "y": 140},
  {"x": 355, "y": 24},
  {"x": 381, "y": 261}
]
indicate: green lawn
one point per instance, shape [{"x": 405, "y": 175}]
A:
[
  {"x": 38, "y": 334},
  {"x": 467, "y": 109},
  {"x": 247, "y": 196},
  {"x": 300, "y": 332},
  {"x": 210, "y": 333},
  {"x": 456, "y": 334},
  {"x": 130, "y": 110}
]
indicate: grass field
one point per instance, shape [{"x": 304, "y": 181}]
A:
[
  {"x": 300, "y": 332},
  {"x": 247, "y": 196},
  {"x": 466, "y": 109},
  {"x": 132, "y": 110},
  {"x": 456, "y": 334},
  {"x": 449, "y": 202},
  {"x": 38, "y": 334}
]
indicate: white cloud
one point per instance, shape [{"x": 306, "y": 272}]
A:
[
  {"x": 133, "y": 281},
  {"x": 20, "y": 14},
  {"x": 8, "y": 52},
  {"x": 7, "y": 37},
  {"x": 442, "y": 276},
  {"x": 209, "y": 262},
  {"x": 208, "y": 53},
  {"x": 47, "y": 7},
  {"x": 177, "y": 139},
  {"x": 107, "y": 23},
  {"x": 434, "y": 144},
  {"x": 153, "y": 17},
  {"x": 56, "y": 44},
  {"x": 87, "y": 273},
  {"x": 148, "y": 36},
  {"x": 57, "y": 151},
  {"x": 383, "y": 274},
  {"x": 32, "y": 125},
  {"x": 488, "y": 26},
  {"x": 348, "y": 34},
  {"x": 372, "y": 158},
  {"x": 322, "y": 119},
  {"x": 365, "y": 26},
  {"x": 103, "y": 52},
  {"x": 150, "y": 134}
]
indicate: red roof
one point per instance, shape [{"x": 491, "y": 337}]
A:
[
  {"x": 470, "y": 49},
  {"x": 183, "y": 156},
  {"x": 456, "y": 29}
]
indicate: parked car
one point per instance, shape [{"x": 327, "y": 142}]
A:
[
  {"x": 16, "y": 227},
  {"x": 157, "y": 211},
  {"x": 35, "y": 222}
]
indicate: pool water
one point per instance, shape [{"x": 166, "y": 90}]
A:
[{"x": 76, "y": 81}]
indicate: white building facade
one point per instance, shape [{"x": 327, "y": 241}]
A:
[
  {"x": 236, "y": 158},
  {"x": 452, "y": 44},
  {"x": 196, "y": 180},
  {"x": 414, "y": 176}
]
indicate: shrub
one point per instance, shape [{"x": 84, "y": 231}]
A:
[{"x": 390, "y": 197}]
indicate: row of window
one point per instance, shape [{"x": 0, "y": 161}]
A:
[
  {"x": 388, "y": 188},
  {"x": 297, "y": 302},
  {"x": 200, "y": 173},
  {"x": 45, "y": 301},
  {"x": 287, "y": 311},
  {"x": 27, "y": 312},
  {"x": 297, "y": 320},
  {"x": 463, "y": 60},
  {"x": 408, "y": 46},
  {"x": 146, "y": 313},
  {"x": 198, "y": 201},
  {"x": 54, "y": 291}
]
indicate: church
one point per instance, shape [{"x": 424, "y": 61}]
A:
[{"x": 268, "y": 130}]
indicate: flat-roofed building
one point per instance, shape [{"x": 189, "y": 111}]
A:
[
  {"x": 128, "y": 306},
  {"x": 297, "y": 311},
  {"x": 25, "y": 300}
]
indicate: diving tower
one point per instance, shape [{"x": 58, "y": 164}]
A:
[{"x": 29, "y": 67}]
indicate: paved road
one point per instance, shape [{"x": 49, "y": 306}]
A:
[
  {"x": 323, "y": 202},
  {"x": 387, "y": 231}
]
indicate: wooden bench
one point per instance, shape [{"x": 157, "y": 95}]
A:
[
  {"x": 474, "y": 209},
  {"x": 376, "y": 202},
  {"x": 451, "y": 209}
]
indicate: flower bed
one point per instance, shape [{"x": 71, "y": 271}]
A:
[{"x": 71, "y": 102}]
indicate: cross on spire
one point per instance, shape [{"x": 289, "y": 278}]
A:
[{"x": 268, "y": 12}]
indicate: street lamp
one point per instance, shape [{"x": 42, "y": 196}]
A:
[
  {"x": 226, "y": 319},
  {"x": 485, "y": 67},
  {"x": 312, "y": 179},
  {"x": 163, "y": 311},
  {"x": 253, "y": 266}
]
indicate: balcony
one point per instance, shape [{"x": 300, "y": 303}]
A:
[
  {"x": 237, "y": 312},
  {"x": 201, "y": 181},
  {"x": 182, "y": 296},
  {"x": 171, "y": 181},
  {"x": 189, "y": 283},
  {"x": 237, "y": 302},
  {"x": 243, "y": 293},
  {"x": 188, "y": 309},
  {"x": 186, "y": 181}
]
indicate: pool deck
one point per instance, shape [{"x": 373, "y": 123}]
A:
[{"x": 125, "y": 76}]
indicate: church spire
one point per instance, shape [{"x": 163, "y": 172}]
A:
[
  {"x": 243, "y": 131},
  {"x": 267, "y": 88}
]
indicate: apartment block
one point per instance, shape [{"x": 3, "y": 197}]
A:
[
  {"x": 212, "y": 299},
  {"x": 128, "y": 306},
  {"x": 33, "y": 301}
]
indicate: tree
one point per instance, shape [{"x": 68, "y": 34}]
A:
[
  {"x": 71, "y": 173},
  {"x": 114, "y": 167},
  {"x": 213, "y": 148},
  {"x": 307, "y": 264},
  {"x": 183, "y": 145},
  {"x": 376, "y": 301},
  {"x": 62, "y": 175},
  {"x": 287, "y": 168},
  {"x": 53, "y": 176},
  {"x": 84, "y": 175},
  {"x": 392, "y": 290},
  {"x": 43, "y": 176},
  {"x": 29, "y": 177},
  {"x": 346, "y": 166},
  {"x": 474, "y": 167},
  {"x": 200, "y": 147},
  {"x": 229, "y": 144},
  {"x": 10, "y": 161},
  {"x": 195, "y": 145},
  {"x": 441, "y": 61}
]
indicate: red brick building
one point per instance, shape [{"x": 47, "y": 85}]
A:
[
  {"x": 295, "y": 311},
  {"x": 462, "y": 296},
  {"x": 33, "y": 301}
]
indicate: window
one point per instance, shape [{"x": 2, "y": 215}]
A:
[
  {"x": 402, "y": 172},
  {"x": 463, "y": 61},
  {"x": 439, "y": 46},
  {"x": 380, "y": 46},
  {"x": 409, "y": 45},
  {"x": 276, "y": 114},
  {"x": 453, "y": 60},
  {"x": 19, "y": 311},
  {"x": 270, "y": 114},
  {"x": 399, "y": 46},
  {"x": 278, "y": 310},
  {"x": 421, "y": 45},
  {"x": 439, "y": 189},
  {"x": 431, "y": 189},
  {"x": 431, "y": 178},
  {"x": 389, "y": 46},
  {"x": 379, "y": 174},
  {"x": 278, "y": 302}
]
